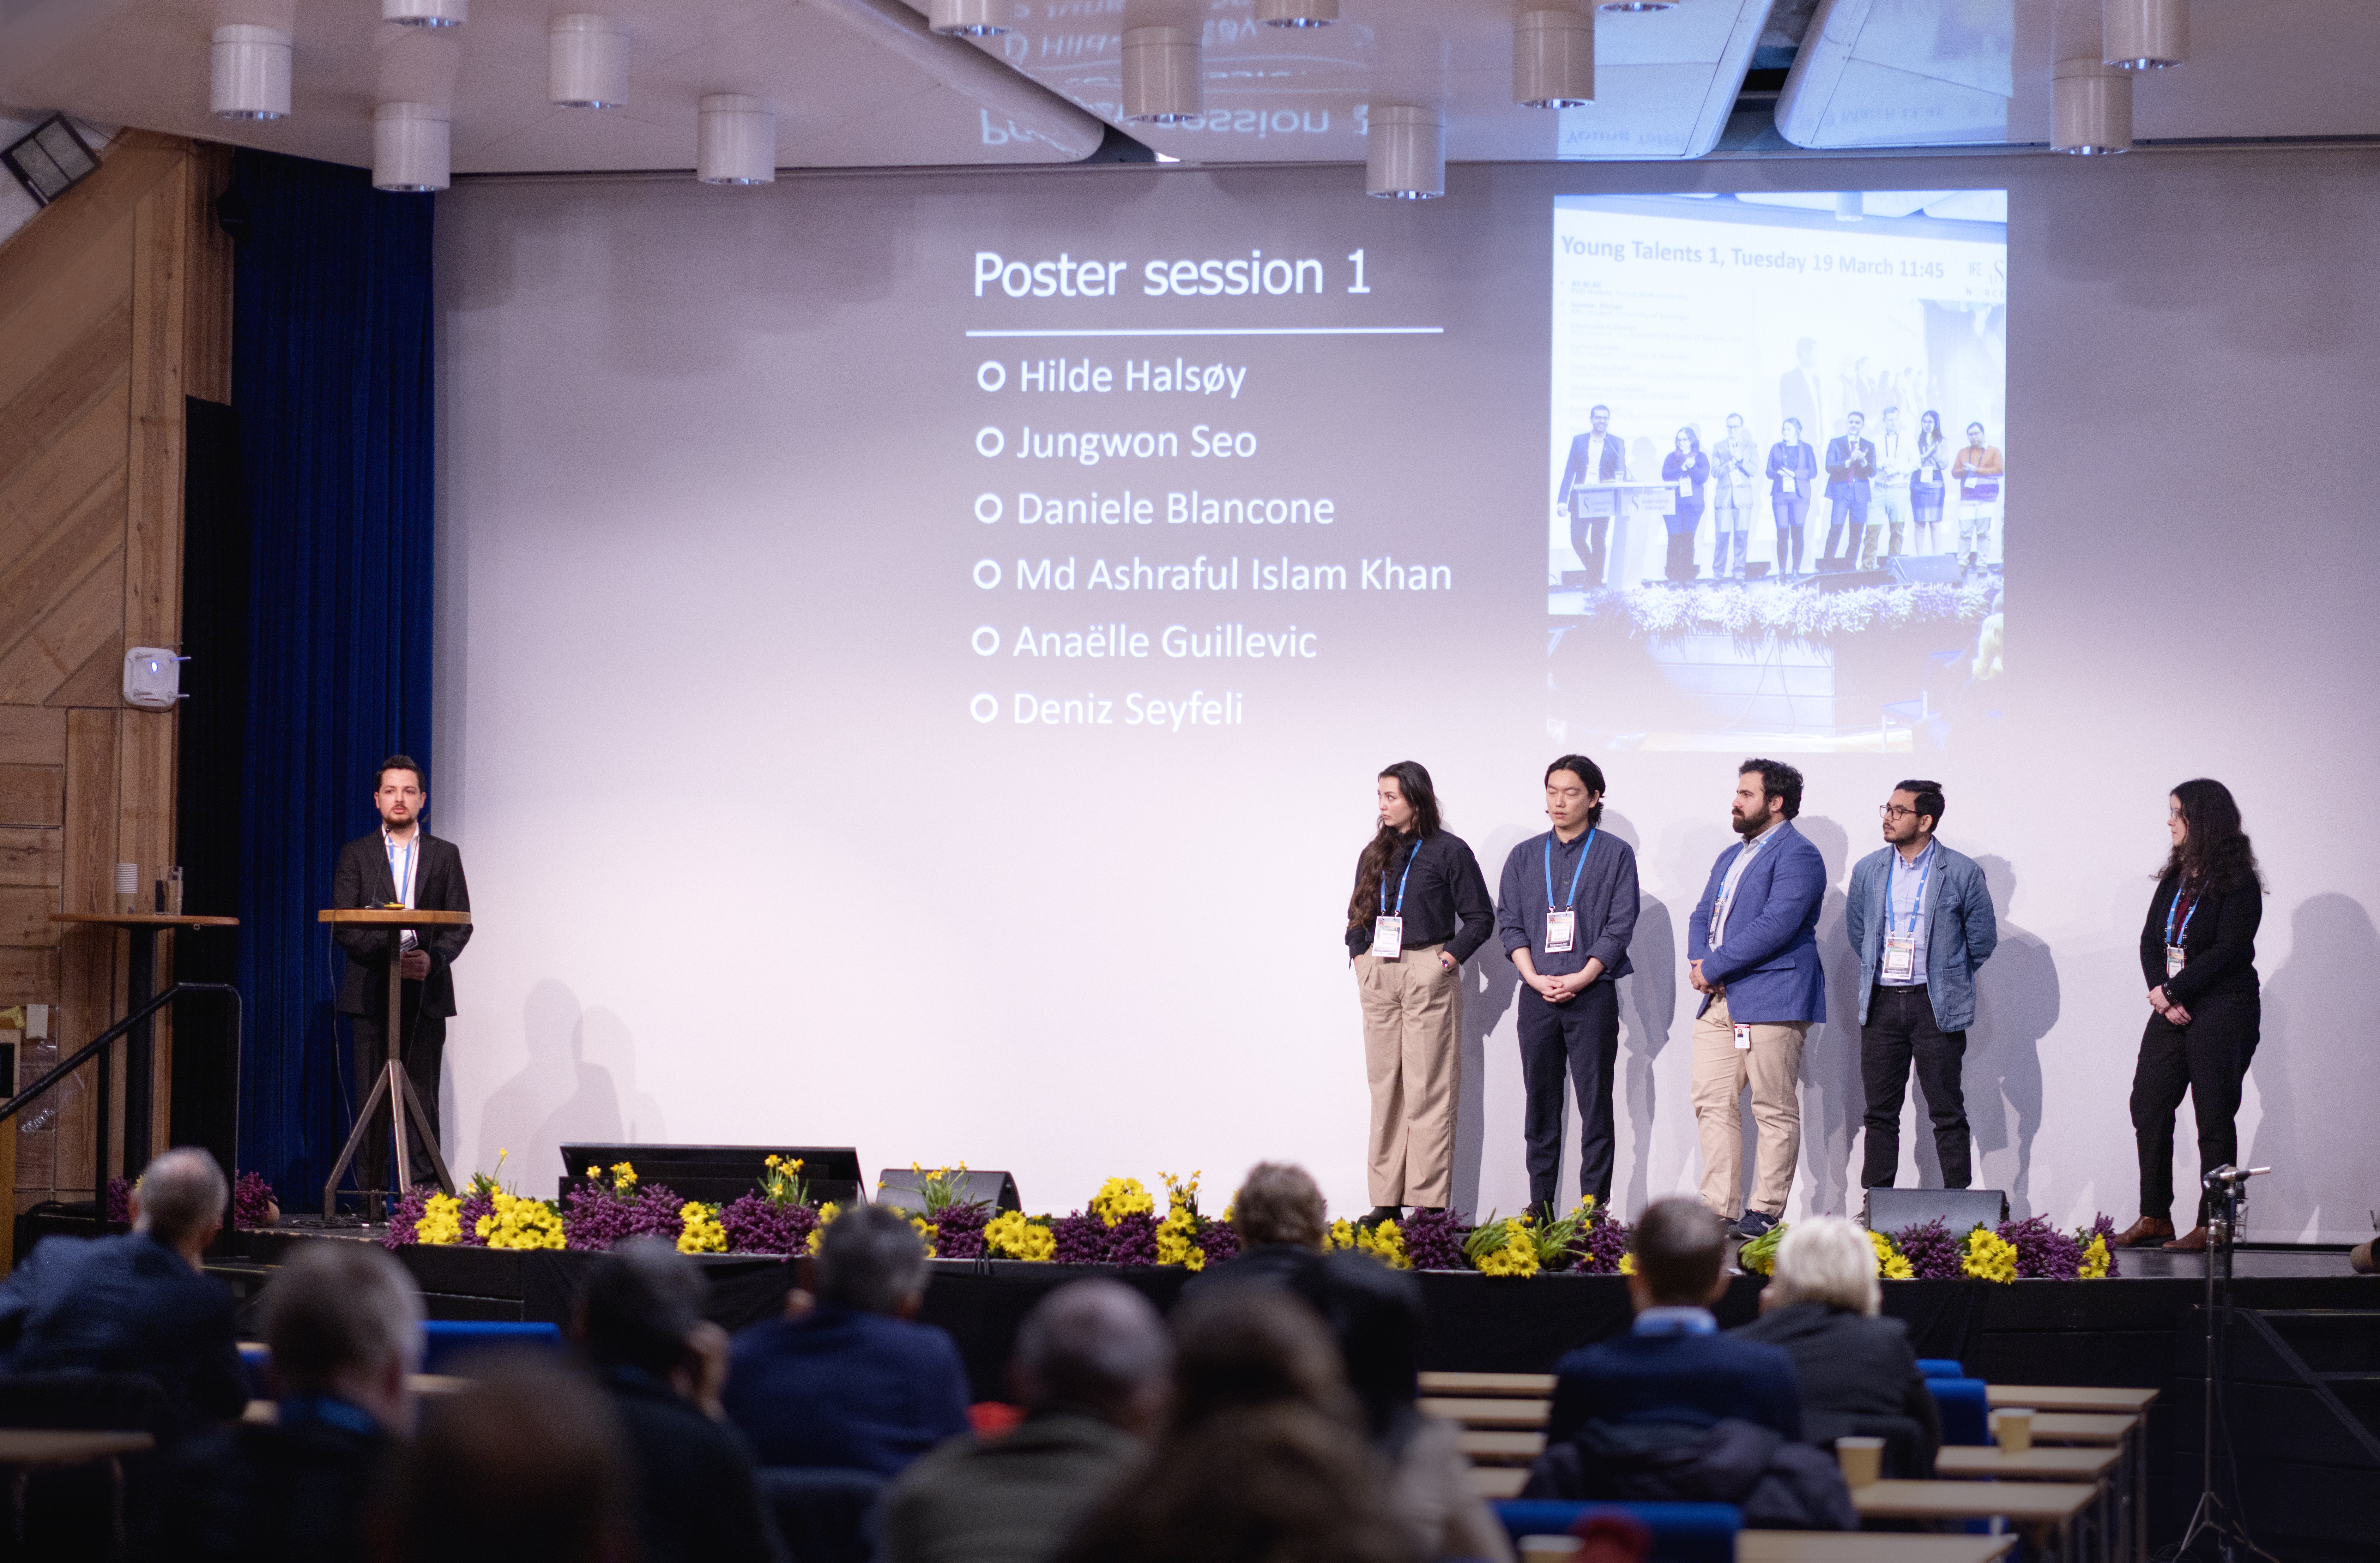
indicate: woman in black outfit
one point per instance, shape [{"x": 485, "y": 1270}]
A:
[{"x": 2198, "y": 953}]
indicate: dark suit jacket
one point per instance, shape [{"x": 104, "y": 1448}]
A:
[
  {"x": 362, "y": 879},
  {"x": 1850, "y": 464},
  {"x": 696, "y": 1491},
  {"x": 294, "y": 1492},
  {"x": 125, "y": 1304},
  {"x": 1691, "y": 1379},
  {"x": 1798, "y": 459},
  {"x": 844, "y": 1389},
  {"x": 2219, "y": 950},
  {"x": 1769, "y": 963},
  {"x": 1850, "y": 1367},
  {"x": 1010, "y": 1499},
  {"x": 1614, "y": 463}
]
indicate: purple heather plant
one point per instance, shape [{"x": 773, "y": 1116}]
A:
[
  {"x": 403, "y": 1220},
  {"x": 119, "y": 1200},
  {"x": 757, "y": 1224},
  {"x": 958, "y": 1230},
  {"x": 2104, "y": 1226},
  {"x": 1933, "y": 1253},
  {"x": 252, "y": 1204},
  {"x": 1217, "y": 1241},
  {"x": 1604, "y": 1244},
  {"x": 1081, "y": 1238},
  {"x": 475, "y": 1205},
  {"x": 2043, "y": 1253},
  {"x": 1434, "y": 1240},
  {"x": 1133, "y": 1239}
]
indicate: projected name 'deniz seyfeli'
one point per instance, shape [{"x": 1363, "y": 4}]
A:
[{"x": 1303, "y": 331}]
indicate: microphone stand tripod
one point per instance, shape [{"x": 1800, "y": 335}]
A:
[{"x": 2209, "y": 1518}]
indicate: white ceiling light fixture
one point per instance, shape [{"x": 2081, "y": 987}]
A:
[
  {"x": 2090, "y": 108},
  {"x": 248, "y": 72},
  {"x": 1161, "y": 75},
  {"x": 1405, "y": 152},
  {"x": 426, "y": 13},
  {"x": 586, "y": 61},
  {"x": 1553, "y": 59},
  {"x": 735, "y": 140},
  {"x": 411, "y": 146},
  {"x": 1625, "y": 8},
  {"x": 1297, "y": 13},
  {"x": 2146, "y": 34},
  {"x": 970, "y": 19}
]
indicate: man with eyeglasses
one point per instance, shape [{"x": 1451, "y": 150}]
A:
[{"x": 1920, "y": 917}]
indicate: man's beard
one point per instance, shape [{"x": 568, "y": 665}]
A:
[{"x": 1751, "y": 826}]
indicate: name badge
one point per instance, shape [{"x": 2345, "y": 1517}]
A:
[
  {"x": 1743, "y": 1038},
  {"x": 1685, "y": 488},
  {"x": 1562, "y": 930},
  {"x": 2173, "y": 961},
  {"x": 1791, "y": 482},
  {"x": 1899, "y": 956},
  {"x": 1388, "y": 937}
]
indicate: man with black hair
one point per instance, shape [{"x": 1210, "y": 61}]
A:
[
  {"x": 1753, "y": 943},
  {"x": 401, "y": 864},
  {"x": 641, "y": 1324},
  {"x": 1920, "y": 917},
  {"x": 1565, "y": 912}
]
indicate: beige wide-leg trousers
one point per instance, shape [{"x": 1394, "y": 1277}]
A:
[
  {"x": 1773, "y": 1067},
  {"x": 1412, "y": 1011}
]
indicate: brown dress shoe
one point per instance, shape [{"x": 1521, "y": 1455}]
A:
[
  {"x": 2191, "y": 1242},
  {"x": 2146, "y": 1231}
]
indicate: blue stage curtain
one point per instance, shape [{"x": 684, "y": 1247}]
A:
[{"x": 331, "y": 379}]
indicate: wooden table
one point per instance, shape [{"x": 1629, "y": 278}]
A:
[
  {"x": 2081, "y": 1427},
  {"x": 1489, "y": 1413},
  {"x": 139, "y": 987},
  {"x": 2045, "y": 1511},
  {"x": 1539, "y": 1386},
  {"x": 431, "y": 1386},
  {"x": 1867, "y": 1546},
  {"x": 1989, "y": 1463},
  {"x": 1500, "y": 1449},
  {"x": 1494, "y": 1482},
  {"x": 23, "y": 1449},
  {"x": 2096, "y": 1401}
]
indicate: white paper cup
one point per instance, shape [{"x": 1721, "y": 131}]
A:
[
  {"x": 2012, "y": 1429},
  {"x": 1862, "y": 1459}
]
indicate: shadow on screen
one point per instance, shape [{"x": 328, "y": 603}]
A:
[
  {"x": 1490, "y": 982},
  {"x": 2016, "y": 1003},
  {"x": 2312, "y": 1123}
]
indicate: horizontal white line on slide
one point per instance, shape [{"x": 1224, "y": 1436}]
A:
[{"x": 1234, "y": 331}]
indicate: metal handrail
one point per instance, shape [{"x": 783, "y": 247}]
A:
[{"x": 90, "y": 1049}]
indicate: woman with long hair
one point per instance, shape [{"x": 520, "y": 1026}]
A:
[
  {"x": 2198, "y": 954},
  {"x": 1925, "y": 486},
  {"x": 1420, "y": 908},
  {"x": 1685, "y": 469}
]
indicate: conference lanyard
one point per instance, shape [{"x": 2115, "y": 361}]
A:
[
  {"x": 1727, "y": 886},
  {"x": 400, "y": 873},
  {"x": 1561, "y": 926},
  {"x": 1389, "y": 929},
  {"x": 1900, "y": 948},
  {"x": 2174, "y": 955}
]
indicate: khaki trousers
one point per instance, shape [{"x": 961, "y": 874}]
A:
[
  {"x": 1411, "y": 1009},
  {"x": 1773, "y": 1067}
]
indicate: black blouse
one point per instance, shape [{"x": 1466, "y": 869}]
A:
[
  {"x": 1446, "y": 899},
  {"x": 2219, "y": 948}
]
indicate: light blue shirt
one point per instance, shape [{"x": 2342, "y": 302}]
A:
[
  {"x": 1675, "y": 1321},
  {"x": 1908, "y": 886}
]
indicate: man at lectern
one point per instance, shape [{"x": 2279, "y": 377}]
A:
[{"x": 400, "y": 864}]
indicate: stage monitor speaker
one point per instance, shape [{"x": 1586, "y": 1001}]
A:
[
  {"x": 716, "y": 1174},
  {"x": 1959, "y": 1210},
  {"x": 900, "y": 1188},
  {"x": 1927, "y": 569}
]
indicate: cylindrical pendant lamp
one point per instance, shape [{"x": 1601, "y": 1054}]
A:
[
  {"x": 735, "y": 140},
  {"x": 586, "y": 61},
  {"x": 1161, "y": 75},
  {"x": 2146, "y": 34},
  {"x": 2090, "y": 108},
  {"x": 248, "y": 72},
  {"x": 1405, "y": 152},
  {"x": 1553, "y": 59},
  {"x": 410, "y": 144},
  {"x": 1297, "y": 13},
  {"x": 426, "y": 13}
]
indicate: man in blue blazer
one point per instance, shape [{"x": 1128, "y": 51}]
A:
[
  {"x": 1596, "y": 456},
  {"x": 1850, "y": 462},
  {"x": 1752, "y": 941},
  {"x": 1921, "y": 918},
  {"x": 1673, "y": 1365}
]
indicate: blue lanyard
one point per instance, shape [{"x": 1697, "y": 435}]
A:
[
  {"x": 1917, "y": 906},
  {"x": 1573, "y": 873},
  {"x": 2195, "y": 902},
  {"x": 1400, "y": 884}
]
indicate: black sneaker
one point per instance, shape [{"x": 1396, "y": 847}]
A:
[{"x": 1753, "y": 1224}]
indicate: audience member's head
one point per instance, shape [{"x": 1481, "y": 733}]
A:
[
  {"x": 179, "y": 1201},
  {"x": 1095, "y": 1346},
  {"x": 1678, "y": 1248},
  {"x": 525, "y": 1466},
  {"x": 344, "y": 1320},
  {"x": 1828, "y": 1260},
  {"x": 870, "y": 1259},
  {"x": 642, "y": 1301},
  {"x": 1278, "y": 1203},
  {"x": 1263, "y": 1483},
  {"x": 1253, "y": 1346}
]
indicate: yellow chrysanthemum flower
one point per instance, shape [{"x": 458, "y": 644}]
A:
[
  {"x": 1891, "y": 1264},
  {"x": 1386, "y": 1244},
  {"x": 1120, "y": 1197},
  {"x": 2094, "y": 1260},
  {"x": 925, "y": 1233},
  {"x": 698, "y": 1229},
  {"x": 1628, "y": 1264},
  {"x": 827, "y": 1213},
  {"x": 1010, "y": 1235},
  {"x": 441, "y": 1223},
  {"x": 517, "y": 1222},
  {"x": 1517, "y": 1257},
  {"x": 1342, "y": 1235},
  {"x": 1989, "y": 1257}
]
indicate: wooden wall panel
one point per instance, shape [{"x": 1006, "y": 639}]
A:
[
  {"x": 29, "y": 735},
  {"x": 25, "y": 917},
  {"x": 28, "y": 975},
  {"x": 87, "y": 620},
  {"x": 33, "y": 795},
  {"x": 31, "y": 857}
]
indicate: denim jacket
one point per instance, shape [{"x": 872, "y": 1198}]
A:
[{"x": 1960, "y": 938}]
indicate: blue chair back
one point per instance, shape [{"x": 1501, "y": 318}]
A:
[
  {"x": 449, "y": 1343},
  {"x": 1966, "y": 1415},
  {"x": 1941, "y": 1367},
  {"x": 1682, "y": 1532}
]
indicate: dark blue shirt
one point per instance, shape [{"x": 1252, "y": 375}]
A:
[
  {"x": 125, "y": 1304},
  {"x": 1606, "y": 906},
  {"x": 847, "y": 1389},
  {"x": 1682, "y": 1378}
]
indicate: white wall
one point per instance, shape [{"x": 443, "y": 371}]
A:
[{"x": 746, "y": 870}]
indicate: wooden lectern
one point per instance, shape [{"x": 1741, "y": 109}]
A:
[{"x": 392, "y": 1083}]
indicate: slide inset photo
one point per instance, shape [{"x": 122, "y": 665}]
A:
[{"x": 1778, "y": 468}]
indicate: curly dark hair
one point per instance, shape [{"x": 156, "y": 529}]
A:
[
  {"x": 1373, "y": 865},
  {"x": 2214, "y": 853}
]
